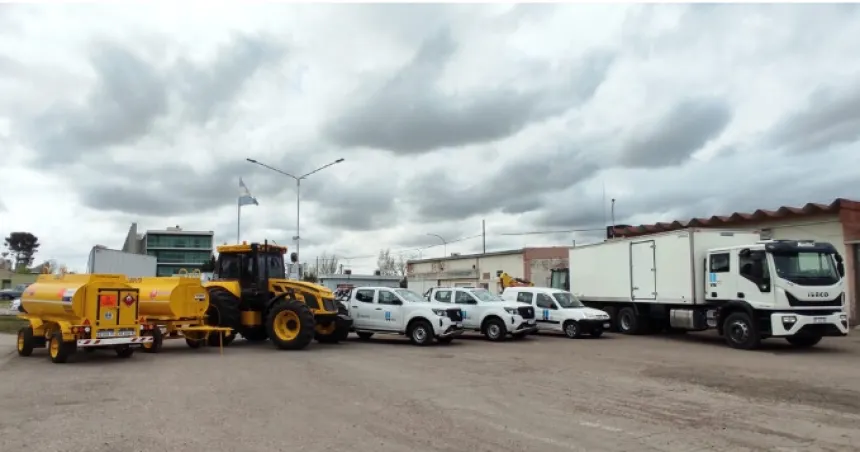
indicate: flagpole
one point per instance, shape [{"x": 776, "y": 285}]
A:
[{"x": 238, "y": 218}]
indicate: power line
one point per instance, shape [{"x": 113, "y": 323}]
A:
[
  {"x": 553, "y": 232},
  {"x": 406, "y": 250}
]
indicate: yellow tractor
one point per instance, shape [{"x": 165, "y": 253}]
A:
[{"x": 250, "y": 294}]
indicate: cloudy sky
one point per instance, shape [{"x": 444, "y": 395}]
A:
[{"x": 445, "y": 115}]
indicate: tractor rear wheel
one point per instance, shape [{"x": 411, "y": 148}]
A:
[
  {"x": 290, "y": 324},
  {"x": 223, "y": 311}
]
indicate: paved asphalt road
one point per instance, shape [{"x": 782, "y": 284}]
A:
[{"x": 543, "y": 394}]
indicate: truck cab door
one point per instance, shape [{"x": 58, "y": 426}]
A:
[
  {"x": 391, "y": 307},
  {"x": 754, "y": 282},
  {"x": 720, "y": 283},
  {"x": 360, "y": 307},
  {"x": 471, "y": 310},
  {"x": 548, "y": 318}
]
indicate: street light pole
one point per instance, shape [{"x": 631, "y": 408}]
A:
[
  {"x": 444, "y": 243},
  {"x": 298, "y": 180}
]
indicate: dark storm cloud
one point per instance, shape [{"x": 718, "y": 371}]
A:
[
  {"x": 409, "y": 114},
  {"x": 697, "y": 194},
  {"x": 687, "y": 127},
  {"x": 517, "y": 187},
  {"x": 830, "y": 117},
  {"x": 131, "y": 95},
  {"x": 360, "y": 203}
]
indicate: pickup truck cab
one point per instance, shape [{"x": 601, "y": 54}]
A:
[
  {"x": 560, "y": 311},
  {"x": 486, "y": 312},
  {"x": 389, "y": 310}
]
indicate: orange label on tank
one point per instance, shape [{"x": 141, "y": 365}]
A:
[{"x": 107, "y": 301}]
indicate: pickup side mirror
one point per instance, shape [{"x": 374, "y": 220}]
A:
[{"x": 840, "y": 268}]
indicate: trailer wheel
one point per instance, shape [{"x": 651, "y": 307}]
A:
[
  {"x": 157, "y": 341},
  {"x": 194, "y": 342},
  {"x": 25, "y": 341},
  {"x": 59, "y": 350},
  {"x": 803, "y": 341},
  {"x": 124, "y": 351},
  {"x": 571, "y": 329},
  {"x": 628, "y": 321},
  {"x": 741, "y": 332}
]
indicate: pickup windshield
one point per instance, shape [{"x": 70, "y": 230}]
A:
[
  {"x": 567, "y": 300},
  {"x": 410, "y": 296},
  {"x": 485, "y": 295},
  {"x": 807, "y": 268}
]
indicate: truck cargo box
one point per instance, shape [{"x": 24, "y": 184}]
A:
[
  {"x": 108, "y": 261},
  {"x": 663, "y": 268}
]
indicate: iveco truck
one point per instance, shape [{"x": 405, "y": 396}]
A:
[{"x": 697, "y": 279}]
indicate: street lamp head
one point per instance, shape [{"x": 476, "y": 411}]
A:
[
  {"x": 252, "y": 160},
  {"x": 338, "y": 160}
]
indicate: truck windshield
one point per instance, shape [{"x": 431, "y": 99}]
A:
[
  {"x": 410, "y": 296},
  {"x": 485, "y": 295},
  {"x": 567, "y": 300},
  {"x": 806, "y": 268}
]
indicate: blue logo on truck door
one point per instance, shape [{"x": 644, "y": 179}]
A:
[
  {"x": 546, "y": 314},
  {"x": 387, "y": 315}
]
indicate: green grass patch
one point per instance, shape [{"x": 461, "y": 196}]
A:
[{"x": 11, "y": 324}]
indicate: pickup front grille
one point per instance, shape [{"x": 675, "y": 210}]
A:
[
  {"x": 527, "y": 312},
  {"x": 455, "y": 315}
]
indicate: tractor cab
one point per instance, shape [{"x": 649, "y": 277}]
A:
[{"x": 251, "y": 265}]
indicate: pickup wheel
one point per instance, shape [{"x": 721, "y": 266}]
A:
[
  {"x": 628, "y": 322},
  {"x": 571, "y": 329},
  {"x": 741, "y": 332},
  {"x": 421, "y": 333},
  {"x": 803, "y": 341},
  {"x": 364, "y": 335},
  {"x": 495, "y": 330}
]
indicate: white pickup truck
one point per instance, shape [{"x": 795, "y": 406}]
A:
[
  {"x": 486, "y": 312},
  {"x": 389, "y": 310},
  {"x": 560, "y": 311}
]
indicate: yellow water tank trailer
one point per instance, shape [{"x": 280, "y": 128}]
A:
[
  {"x": 175, "y": 307},
  {"x": 68, "y": 311}
]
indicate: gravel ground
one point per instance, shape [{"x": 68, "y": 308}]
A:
[{"x": 543, "y": 394}]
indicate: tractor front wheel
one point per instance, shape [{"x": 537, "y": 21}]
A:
[{"x": 290, "y": 324}]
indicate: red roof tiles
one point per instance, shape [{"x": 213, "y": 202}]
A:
[{"x": 737, "y": 218}]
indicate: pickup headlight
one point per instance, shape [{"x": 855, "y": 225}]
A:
[
  {"x": 440, "y": 312},
  {"x": 512, "y": 311}
]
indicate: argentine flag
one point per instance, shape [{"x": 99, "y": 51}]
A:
[{"x": 245, "y": 197}]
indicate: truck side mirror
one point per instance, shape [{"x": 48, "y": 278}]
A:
[
  {"x": 840, "y": 267},
  {"x": 744, "y": 252}
]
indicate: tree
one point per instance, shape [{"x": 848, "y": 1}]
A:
[
  {"x": 23, "y": 246},
  {"x": 327, "y": 265},
  {"x": 388, "y": 265},
  {"x": 209, "y": 266}
]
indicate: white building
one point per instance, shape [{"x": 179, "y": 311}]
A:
[
  {"x": 481, "y": 270},
  {"x": 837, "y": 223}
]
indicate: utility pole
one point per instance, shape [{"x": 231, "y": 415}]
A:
[{"x": 484, "y": 234}]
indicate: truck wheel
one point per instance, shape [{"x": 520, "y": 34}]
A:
[
  {"x": 25, "y": 341},
  {"x": 741, "y": 332},
  {"x": 124, "y": 351},
  {"x": 290, "y": 324},
  {"x": 194, "y": 342},
  {"x": 364, "y": 335},
  {"x": 223, "y": 311},
  {"x": 571, "y": 329},
  {"x": 157, "y": 341},
  {"x": 254, "y": 334},
  {"x": 59, "y": 350},
  {"x": 628, "y": 321},
  {"x": 495, "y": 330},
  {"x": 421, "y": 333},
  {"x": 803, "y": 341}
]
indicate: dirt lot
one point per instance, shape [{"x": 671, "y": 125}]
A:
[{"x": 543, "y": 394}]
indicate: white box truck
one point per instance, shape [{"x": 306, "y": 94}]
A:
[
  {"x": 105, "y": 260},
  {"x": 696, "y": 279}
]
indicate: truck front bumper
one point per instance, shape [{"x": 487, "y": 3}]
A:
[
  {"x": 520, "y": 325},
  {"x": 344, "y": 321},
  {"x": 590, "y": 325},
  {"x": 784, "y": 324},
  {"x": 444, "y": 327}
]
